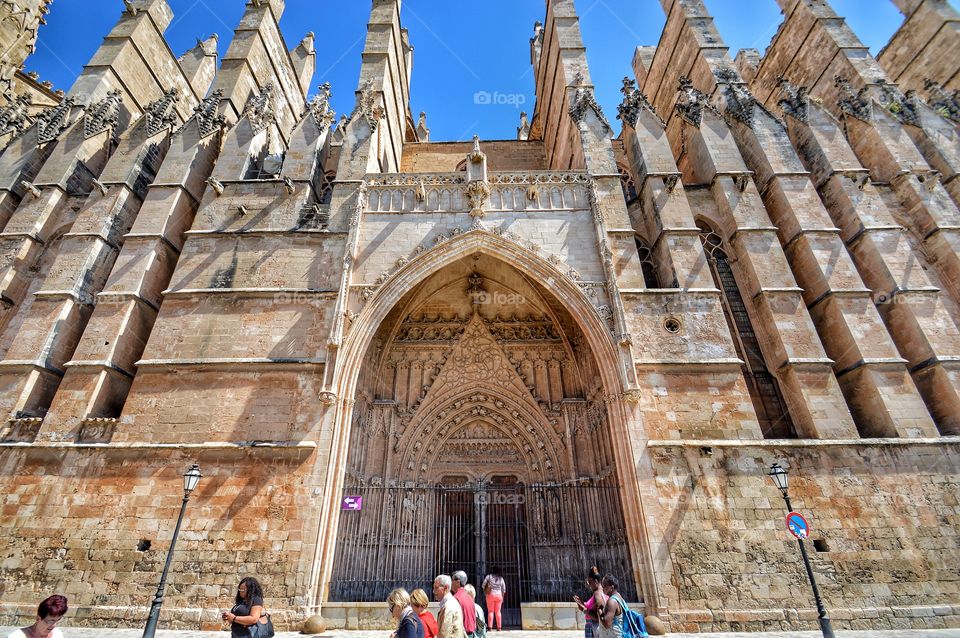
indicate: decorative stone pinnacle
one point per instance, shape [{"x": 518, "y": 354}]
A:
[
  {"x": 903, "y": 107},
  {"x": 584, "y": 100},
  {"x": 740, "y": 102},
  {"x": 14, "y": 115},
  {"x": 946, "y": 104},
  {"x": 634, "y": 101},
  {"x": 423, "y": 133},
  {"x": 692, "y": 102},
  {"x": 476, "y": 156},
  {"x": 368, "y": 106},
  {"x": 206, "y": 114},
  {"x": 319, "y": 107},
  {"x": 54, "y": 120},
  {"x": 103, "y": 115},
  {"x": 160, "y": 114},
  {"x": 797, "y": 101},
  {"x": 259, "y": 108},
  {"x": 853, "y": 103},
  {"x": 523, "y": 131}
]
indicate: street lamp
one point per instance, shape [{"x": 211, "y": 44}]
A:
[
  {"x": 779, "y": 476},
  {"x": 190, "y": 480}
]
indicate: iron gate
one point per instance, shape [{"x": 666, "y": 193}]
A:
[{"x": 542, "y": 538}]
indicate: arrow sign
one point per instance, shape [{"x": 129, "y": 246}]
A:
[
  {"x": 354, "y": 503},
  {"x": 797, "y": 525}
]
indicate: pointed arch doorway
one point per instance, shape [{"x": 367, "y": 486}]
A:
[{"x": 479, "y": 438}]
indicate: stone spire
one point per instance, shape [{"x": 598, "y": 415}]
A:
[
  {"x": 523, "y": 131},
  {"x": 423, "y": 133}
]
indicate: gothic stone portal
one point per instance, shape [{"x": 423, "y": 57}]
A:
[{"x": 480, "y": 438}]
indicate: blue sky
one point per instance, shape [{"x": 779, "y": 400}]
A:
[{"x": 474, "y": 47}]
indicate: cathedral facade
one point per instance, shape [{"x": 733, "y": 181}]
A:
[{"x": 394, "y": 357}]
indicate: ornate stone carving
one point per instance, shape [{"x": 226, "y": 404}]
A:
[
  {"x": 368, "y": 106},
  {"x": 740, "y": 103},
  {"x": 692, "y": 102},
  {"x": 21, "y": 429},
  {"x": 903, "y": 107},
  {"x": 854, "y": 103},
  {"x": 54, "y": 120},
  {"x": 319, "y": 108},
  {"x": 584, "y": 100},
  {"x": 797, "y": 101},
  {"x": 160, "y": 114},
  {"x": 97, "y": 429},
  {"x": 206, "y": 114},
  {"x": 259, "y": 109},
  {"x": 14, "y": 115},
  {"x": 478, "y": 192},
  {"x": 103, "y": 115},
  {"x": 946, "y": 104},
  {"x": 429, "y": 329},
  {"x": 633, "y": 101}
]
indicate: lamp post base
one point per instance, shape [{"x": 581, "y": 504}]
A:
[{"x": 826, "y": 628}]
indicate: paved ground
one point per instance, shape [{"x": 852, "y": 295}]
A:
[{"x": 69, "y": 632}]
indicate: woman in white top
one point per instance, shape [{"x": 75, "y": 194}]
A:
[
  {"x": 49, "y": 614},
  {"x": 495, "y": 588}
]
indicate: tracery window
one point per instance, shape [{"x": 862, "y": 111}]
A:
[
  {"x": 627, "y": 184},
  {"x": 647, "y": 264},
  {"x": 764, "y": 388}
]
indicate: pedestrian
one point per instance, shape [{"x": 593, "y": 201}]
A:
[
  {"x": 450, "y": 616},
  {"x": 594, "y": 605},
  {"x": 495, "y": 589},
  {"x": 466, "y": 603},
  {"x": 408, "y": 622},
  {"x": 247, "y": 608},
  {"x": 419, "y": 602},
  {"x": 481, "y": 631},
  {"x": 611, "y": 619},
  {"x": 49, "y": 613}
]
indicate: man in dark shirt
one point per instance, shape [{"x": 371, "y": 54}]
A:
[{"x": 466, "y": 603}]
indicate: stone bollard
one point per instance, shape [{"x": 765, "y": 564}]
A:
[
  {"x": 314, "y": 625},
  {"x": 655, "y": 626}
]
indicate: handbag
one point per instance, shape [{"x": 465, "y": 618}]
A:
[{"x": 261, "y": 629}]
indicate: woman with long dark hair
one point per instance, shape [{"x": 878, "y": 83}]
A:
[
  {"x": 247, "y": 608},
  {"x": 594, "y": 605}
]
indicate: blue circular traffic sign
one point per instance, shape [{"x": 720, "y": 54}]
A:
[{"x": 797, "y": 525}]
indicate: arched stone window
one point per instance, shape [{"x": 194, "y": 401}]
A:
[
  {"x": 326, "y": 189},
  {"x": 764, "y": 388},
  {"x": 647, "y": 264},
  {"x": 626, "y": 183}
]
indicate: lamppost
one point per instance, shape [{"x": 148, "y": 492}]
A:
[
  {"x": 779, "y": 476},
  {"x": 190, "y": 480}
]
